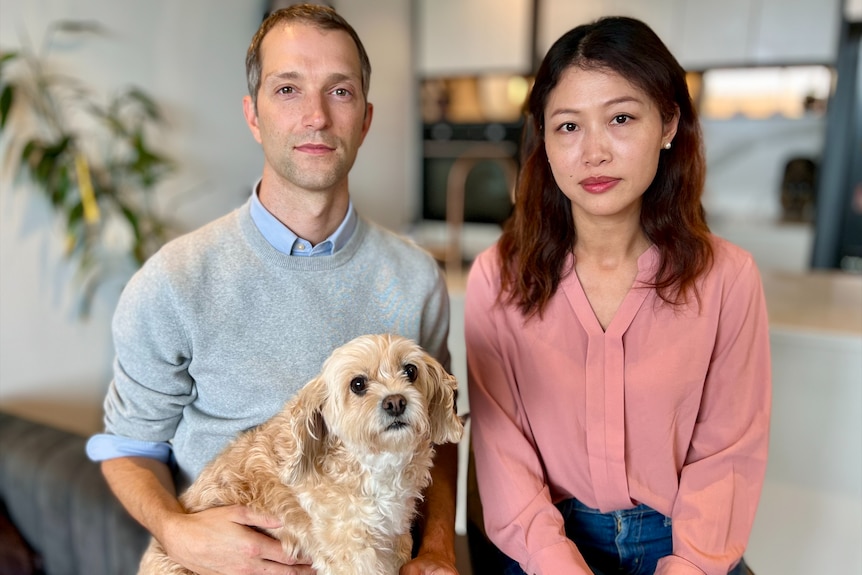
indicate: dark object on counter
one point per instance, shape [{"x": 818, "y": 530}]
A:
[{"x": 798, "y": 190}]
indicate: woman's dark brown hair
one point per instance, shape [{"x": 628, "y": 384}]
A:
[{"x": 540, "y": 235}]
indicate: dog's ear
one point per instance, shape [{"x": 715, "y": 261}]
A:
[
  {"x": 446, "y": 427},
  {"x": 308, "y": 429}
]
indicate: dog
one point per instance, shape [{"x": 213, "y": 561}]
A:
[{"x": 343, "y": 465}]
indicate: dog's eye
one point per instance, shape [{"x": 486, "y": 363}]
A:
[
  {"x": 411, "y": 372},
  {"x": 359, "y": 384}
]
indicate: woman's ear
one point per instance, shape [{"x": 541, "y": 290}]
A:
[{"x": 670, "y": 127}]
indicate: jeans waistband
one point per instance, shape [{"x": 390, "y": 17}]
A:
[{"x": 640, "y": 509}]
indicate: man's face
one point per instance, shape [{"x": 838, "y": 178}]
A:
[{"x": 311, "y": 114}]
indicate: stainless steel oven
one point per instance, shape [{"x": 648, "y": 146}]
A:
[{"x": 485, "y": 157}]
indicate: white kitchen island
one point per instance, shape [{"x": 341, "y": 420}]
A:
[{"x": 810, "y": 516}]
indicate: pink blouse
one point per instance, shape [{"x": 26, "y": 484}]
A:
[{"x": 668, "y": 407}]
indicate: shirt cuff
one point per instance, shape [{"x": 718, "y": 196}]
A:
[
  {"x": 108, "y": 446},
  {"x": 676, "y": 565},
  {"x": 562, "y": 557}
]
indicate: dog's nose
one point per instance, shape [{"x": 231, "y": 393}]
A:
[{"x": 394, "y": 404}]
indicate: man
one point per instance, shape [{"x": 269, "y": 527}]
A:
[{"x": 223, "y": 325}]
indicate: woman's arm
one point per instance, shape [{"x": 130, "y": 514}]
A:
[
  {"x": 519, "y": 516},
  {"x": 721, "y": 480}
]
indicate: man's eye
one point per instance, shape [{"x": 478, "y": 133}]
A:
[
  {"x": 341, "y": 92},
  {"x": 286, "y": 90}
]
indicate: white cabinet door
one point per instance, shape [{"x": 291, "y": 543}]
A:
[
  {"x": 715, "y": 33},
  {"x": 796, "y": 31},
  {"x": 467, "y": 37},
  {"x": 556, "y": 17}
]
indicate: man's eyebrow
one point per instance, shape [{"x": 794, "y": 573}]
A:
[
  {"x": 332, "y": 78},
  {"x": 283, "y": 76}
]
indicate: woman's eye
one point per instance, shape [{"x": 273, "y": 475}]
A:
[
  {"x": 621, "y": 119},
  {"x": 569, "y": 127},
  {"x": 359, "y": 384},
  {"x": 411, "y": 372}
]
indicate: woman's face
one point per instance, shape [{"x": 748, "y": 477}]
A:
[{"x": 603, "y": 137}]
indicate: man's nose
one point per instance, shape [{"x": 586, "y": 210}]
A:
[{"x": 315, "y": 112}]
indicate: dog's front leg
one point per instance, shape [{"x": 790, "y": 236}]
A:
[{"x": 390, "y": 561}]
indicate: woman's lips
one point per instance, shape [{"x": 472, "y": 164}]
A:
[{"x": 598, "y": 185}]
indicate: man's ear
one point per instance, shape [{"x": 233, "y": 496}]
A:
[
  {"x": 250, "y": 113},
  {"x": 366, "y": 121}
]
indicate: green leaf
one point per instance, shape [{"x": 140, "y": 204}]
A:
[
  {"x": 6, "y": 56},
  {"x": 81, "y": 27},
  {"x": 146, "y": 102},
  {"x": 75, "y": 216},
  {"x": 6, "y": 99},
  {"x": 61, "y": 186},
  {"x": 59, "y": 147},
  {"x": 132, "y": 218}
]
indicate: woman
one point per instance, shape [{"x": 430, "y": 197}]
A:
[{"x": 618, "y": 353}]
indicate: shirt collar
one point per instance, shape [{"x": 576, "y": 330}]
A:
[{"x": 284, "y": 240}]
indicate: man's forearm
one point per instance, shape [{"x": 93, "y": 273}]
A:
[
  {"x": 438, "y": 509},
  {"x": 145, "y": 488}
]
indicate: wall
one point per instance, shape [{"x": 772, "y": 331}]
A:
[{"x": 190, "y": 57}]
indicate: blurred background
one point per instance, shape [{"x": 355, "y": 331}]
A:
[{"x": 777, "y": 84}]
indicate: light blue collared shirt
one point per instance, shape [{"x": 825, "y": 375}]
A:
[
  {"x": 287, "y": 242},
  {"x": 106, "y": 446}
]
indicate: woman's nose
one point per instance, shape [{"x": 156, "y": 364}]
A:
[{"x": 596, "y": 150}]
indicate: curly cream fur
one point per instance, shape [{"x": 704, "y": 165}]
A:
[{"x": 339, "y": 471}]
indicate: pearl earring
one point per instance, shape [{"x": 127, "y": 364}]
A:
[{"x": 667, "y": 146}]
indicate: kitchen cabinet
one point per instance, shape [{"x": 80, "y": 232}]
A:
[
  {"x": 715, "y": 33},
  {"x": 796, "y": 31},
  {"x": 472, "y": 37},
  {"x": 556, "y": 17}
]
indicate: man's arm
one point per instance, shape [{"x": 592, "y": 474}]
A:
[
  {"x": 436, "y": 553},
  {"x": 218, "y": 541}
]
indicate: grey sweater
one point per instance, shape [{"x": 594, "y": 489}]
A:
[{"x": 219, "y": 329}]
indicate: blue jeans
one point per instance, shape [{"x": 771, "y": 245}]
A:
[{"x": 628, "y": 542}]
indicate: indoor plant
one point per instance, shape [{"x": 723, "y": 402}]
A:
[{"x": 93, "y": 161}]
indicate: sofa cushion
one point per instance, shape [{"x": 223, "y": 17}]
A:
[{"x": 61, "y": 503}]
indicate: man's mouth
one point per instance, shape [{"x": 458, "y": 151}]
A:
[{"x": 314, "y": 148}]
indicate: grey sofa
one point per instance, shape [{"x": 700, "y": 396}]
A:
[{"x": 57, "y": 514}]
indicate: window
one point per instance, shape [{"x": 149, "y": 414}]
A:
[{"x": 757, "y": 93}]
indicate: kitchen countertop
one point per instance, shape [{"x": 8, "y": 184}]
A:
[{"x": 819, "y": 301}]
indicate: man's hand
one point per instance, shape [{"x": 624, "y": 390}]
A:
[
  {"x": 226, "y": 541},
  {"x": 429, "y": 564}
]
